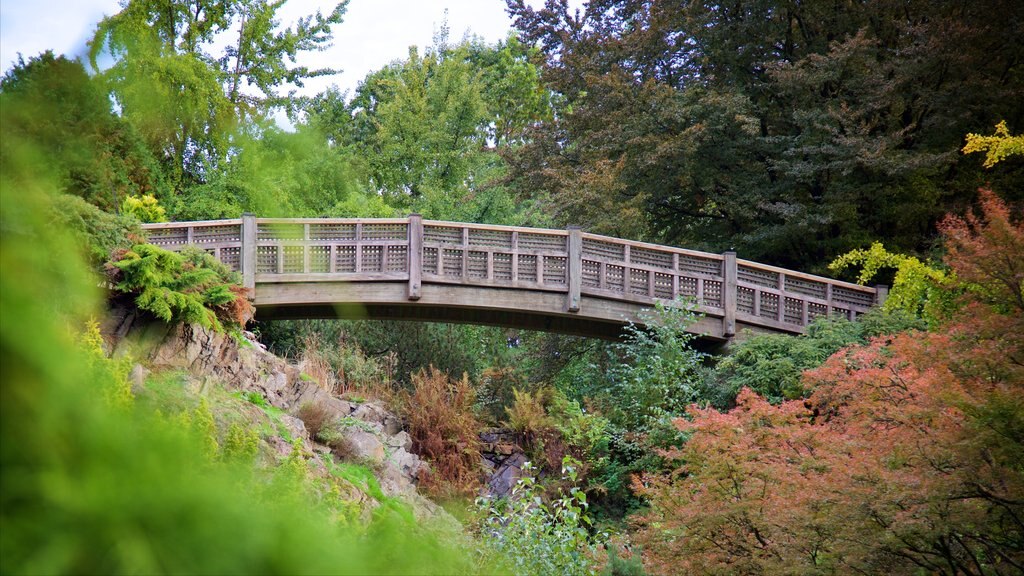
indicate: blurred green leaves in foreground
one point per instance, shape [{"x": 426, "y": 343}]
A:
[{"x": 93, "y": 486}]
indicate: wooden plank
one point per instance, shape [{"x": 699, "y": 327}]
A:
[
  {"x": 415, "y": 258},
  {"x": 729, "y": 294},
  {"x": 574, "y": 268},
  {"x": 248, "y": 256},
  {"x": 339, "y": 277},
  {"x": 197, "y": 223}
]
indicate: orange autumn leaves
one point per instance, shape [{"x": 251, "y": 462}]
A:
[{"x": 907, "y": 455}]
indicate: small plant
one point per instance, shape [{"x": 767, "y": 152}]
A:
[
  {"x": 145, "y": 208},
  {"x": 254, "y": 397},
  {"x": 315, "y": 416},
  {"x": 439, "y": 412},
  {"x": 538, "y": 538}
]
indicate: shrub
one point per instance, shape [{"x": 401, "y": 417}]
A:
[
  {"x": 439, "y": 413},
  {"x": 143, "y": 208},
  {"x": 538, "y": 538},
  {"x": 315, "y": 416},
  {"x": 190, "y": 287},
  {"x": 103, "y": 232}
]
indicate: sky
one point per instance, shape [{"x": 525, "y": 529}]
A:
[{"x": 373, "y": 33}]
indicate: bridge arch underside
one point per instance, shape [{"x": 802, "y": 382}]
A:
[{"x": 457, "y": 303}]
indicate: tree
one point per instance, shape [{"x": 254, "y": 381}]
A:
[
  {"x": 905, "y": 457},
  {"x": 184, "y": 96},
  {"x": 53, "y": 104},
  {"x": 793, "y": 131}
]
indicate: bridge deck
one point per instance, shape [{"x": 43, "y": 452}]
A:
[{"x": 558, "y": 280}]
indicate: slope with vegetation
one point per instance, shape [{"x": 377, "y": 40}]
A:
[{"x": 850, "y": 138}]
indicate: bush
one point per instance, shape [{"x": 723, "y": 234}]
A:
[
  {"x": 439, "y": 414},
  {"x": 538, "y": 538},
  {"x": 315, "y": 416},
  {"x": 190, "y": 286},
  {"x": 143, "y": 208},
  {"x": 102, "y": 232}
]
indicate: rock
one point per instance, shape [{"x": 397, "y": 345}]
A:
[
  {"x": 363, "y": 446},
  {"x": 408, "y": 464},
  {"x": 280, "y": 447},
  {"x": 296, "y": 428},
  {"x": 138, "y": 377},
  {"x": 500, "y": 483},
  {"x": 400, "y": 439}
]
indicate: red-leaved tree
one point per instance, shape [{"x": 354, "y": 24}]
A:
[{"x": 907, "y": 457}]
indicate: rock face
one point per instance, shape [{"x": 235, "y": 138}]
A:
[
  {"x": 503, "y": 461},
  {"x": 369, "y": 434}
]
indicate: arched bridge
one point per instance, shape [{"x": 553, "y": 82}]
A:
[{"x": 556, "y": 280}]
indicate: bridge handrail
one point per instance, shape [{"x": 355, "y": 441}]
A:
[{"x": 570, "y": 261}]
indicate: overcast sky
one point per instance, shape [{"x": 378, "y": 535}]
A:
[{"x": 374, "y": 32}]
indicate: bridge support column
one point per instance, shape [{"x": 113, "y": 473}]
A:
[
  {"x": 415, "y": 256},
  {"x": 729, "y": 272},
  {"x": 881, "y": 293},
  {"x": 249, "y": 251},
  {"x": 574, "y": 268}
]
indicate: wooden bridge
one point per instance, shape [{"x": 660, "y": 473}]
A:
[{"x": 565, "y": 281}]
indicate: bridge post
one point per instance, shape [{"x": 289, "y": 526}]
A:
[
  {"x": 729, "y": 272},
  {"x": 575, "y": 268},
  {"x": 415, "y": 255},
  {"x": 249, "y": 251},
  {"x": 881, "y": 293}
]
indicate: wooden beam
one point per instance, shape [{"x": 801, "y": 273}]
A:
[
  {"x": 248, "y": 255},
  {"x": 415, "y": 260},
  {"x": 729, "y": 294},
  {"x": 574, "y": 268}
]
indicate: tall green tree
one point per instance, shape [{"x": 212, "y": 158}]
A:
[
  {"x": 52, "y": 104},
  {"x": 793, "y": 131},
  {"x": 186, "y": 92}
]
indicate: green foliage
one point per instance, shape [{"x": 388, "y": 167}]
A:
[
  {"x": 91, "y": 488},
  {"x": 537, "y": 538},
  {"x": 240, "y": 445},
  {"x": 917, "y": 288},
  {"x": 101, "y": 232},
  {"x": 772, "y": 364},
  {"x": 190, "y": 286},
  {"x": 997, "y": 147},
  {"x": 659, "y": 375},
  {"x": 144, "y": 208},
  {"x": 618, "y": 566},
  {"x": 54, "y": 105},
  {"x": 790, "y": 131}
]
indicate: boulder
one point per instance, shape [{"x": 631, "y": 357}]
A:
[{"x": 503, "y": 479}]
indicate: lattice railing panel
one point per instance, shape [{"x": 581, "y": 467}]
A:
[
  {"x": 769, "y": 305},
  {"x": 806, "y": 287},
  {"x": 476, "y": 265},
  {"x": 756, "y": 276},
  {"x": 451, "y": 260},
  {"x": 319, "y": 259},
  {"x": 554, "y": 270},
  {"x": 526, "y": 266},
  {"x": 655, "y": 258},
  {"x": 384, "y": 232},
  {"x": 687, "y": 286},
  {"x": 430, "y": 260},
  {"x": 168, "y": 236},
  {"x": 502, "y": 267},
  {"x": 713, "y": 293},
  {"x": 345, "y": 259},
  {"x": 745, "y": 299},
  {"x": 232, "y": 257},
  {"x": 274, "y": 231},
  {"x": 442, "y": 235},
  {"x": 541, "y": 242},
  {"x": 793, "y": 310},
  {"x": 615, "y": 278},
  {"x": 591, "y": 276},
  {"x": 663, "y": 286},
  {"x": 222, "y": 234},
  {"x": 491, "y": 238},
  {"x": 697, "y": 265},
  {"x": 332, "y": 231},
  {"x": 294, "y": 259},
  {"x": 371, "y": 259},
  {"x": 815, "y": 310},
  {"x": 604, "y": 250},
  {"x": 397, "y": 259},
  {"x": 852, "y": 297},
  {"x": 638, "y": 280},
  {"x": 266, "y": 259}
]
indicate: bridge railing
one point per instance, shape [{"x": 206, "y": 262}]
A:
[{"x": 276, "y": 250}]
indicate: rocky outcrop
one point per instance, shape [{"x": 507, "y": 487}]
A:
[
  {"x": 502, "y": 461},
  {"x": 366, "y": 432}
]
